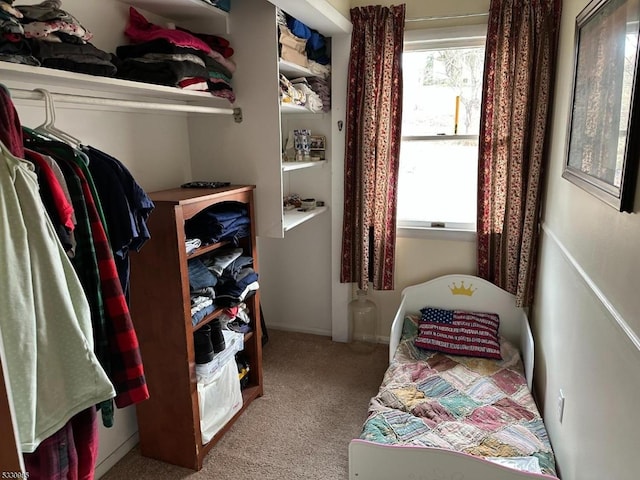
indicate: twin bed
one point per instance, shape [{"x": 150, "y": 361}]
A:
[{"x": 455, "y": 402}]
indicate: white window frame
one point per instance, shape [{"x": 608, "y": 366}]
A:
[{"x": 427, "y": 39}]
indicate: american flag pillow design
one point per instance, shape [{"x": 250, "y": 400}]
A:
[{"x": 474, "y": 334}]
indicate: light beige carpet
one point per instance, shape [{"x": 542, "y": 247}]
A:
[{"x": 316, "y": 397}]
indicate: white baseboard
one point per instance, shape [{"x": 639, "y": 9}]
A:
[
  {"x": 316, "y": 331},
  {"x": 289, "y": 328},
  {"x": 108, "y": 463}
]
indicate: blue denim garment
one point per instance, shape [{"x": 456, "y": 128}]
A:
[
  {"x": 205, "y": 227},
  {"x": 199, "y": 275},
  {"x": 197, "y": 317},
  {"x": 235, "y": 235},
  {"x": 231, "y": 219},
  {"x": 222, "y": 259},
  {"x": 237, "y": 265},
  {"x": 223, "y": 221},
  {"x": 234, "y": 288}
]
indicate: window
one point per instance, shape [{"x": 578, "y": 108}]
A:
[{"x": 442, "y": 93}]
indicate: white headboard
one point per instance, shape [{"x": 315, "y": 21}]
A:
[{"x": 466, "y": 292}]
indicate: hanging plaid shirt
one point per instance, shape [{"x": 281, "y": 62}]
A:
[
  {"x": 127, "y": 373},
  {"x": 125, "y": 369}
]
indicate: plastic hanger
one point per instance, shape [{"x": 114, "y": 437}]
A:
[{"x": 48, "y": 128}]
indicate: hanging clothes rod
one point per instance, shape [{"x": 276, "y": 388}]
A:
[
  {"x": 113, "y": 102},
  {"x": 446, "y": 17}
]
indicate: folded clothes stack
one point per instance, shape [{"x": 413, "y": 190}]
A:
[
  {"x": 312, "y": 100},
  {"x": 322, "y": 87},
  {"x": 226, "y": 221},
  {"x": 225, "y": 277},
  {"x": 14, "y": 47},
  {"x": 236, "y": 318},
  {"x": 46, "y": 35},
  {"x": 235, "y": 277},
  {"x": 290, "y": 94},
  {"x": 307, "y": 48},
  {"x": 175, "y": 57}
]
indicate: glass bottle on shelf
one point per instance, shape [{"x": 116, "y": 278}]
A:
[{"x": 363, "y": 323}]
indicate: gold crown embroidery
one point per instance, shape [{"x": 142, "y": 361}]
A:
[{"x": 462, "y": 290}]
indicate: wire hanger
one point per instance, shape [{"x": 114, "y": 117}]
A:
[{"x": 48, "y": 128}]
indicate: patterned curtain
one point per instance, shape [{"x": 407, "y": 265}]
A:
[
  {"x": 374, "y": 114},
  {"x": 520, "y": 59}
]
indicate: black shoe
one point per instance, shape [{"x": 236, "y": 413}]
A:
[
  {"x": 217, "y": 338},
  {"x": 202, "y": 344}
]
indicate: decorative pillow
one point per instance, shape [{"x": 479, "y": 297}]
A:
[{"x": 473, "y": 334}]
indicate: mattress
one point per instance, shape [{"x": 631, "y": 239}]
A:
[{"x": 472, "y": 405}]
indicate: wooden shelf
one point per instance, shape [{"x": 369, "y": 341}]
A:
[
  {"x": 169, "y": 421},
  {"x": 206, "y": 249},
  {"x": 250, "y": 393},
  {"x": 318, "y": 14},
  {"x": 292, "y": 70},
  {"x": 195, "y": 13},
  {"x": 213, "y": 315},
  {"x": 289, "y": 166},
  {"x": 293, "y": 218},
  {"x": 293, "y": 108},
  {"x": 50, "y": 78}
]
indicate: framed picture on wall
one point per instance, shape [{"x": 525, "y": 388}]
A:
[{"x": 601, "y": 152}]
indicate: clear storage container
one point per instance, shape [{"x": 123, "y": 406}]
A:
[{"x": 363, "y": 323}]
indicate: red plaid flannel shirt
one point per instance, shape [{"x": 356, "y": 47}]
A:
[{"x": 127, "y": 373}]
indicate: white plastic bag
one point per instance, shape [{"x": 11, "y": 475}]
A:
[{"x": 219, "y": 399}]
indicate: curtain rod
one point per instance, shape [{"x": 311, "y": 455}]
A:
[
  {"x": 446, "y": 17},
  {"x": 112, "y": 102}
]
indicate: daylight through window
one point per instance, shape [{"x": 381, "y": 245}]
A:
[{"x": 442, "y": 93}]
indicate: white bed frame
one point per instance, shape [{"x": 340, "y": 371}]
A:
[{"x": 372, "y": 461}]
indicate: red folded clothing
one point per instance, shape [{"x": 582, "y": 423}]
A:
[{"x": 140, "y": 30}]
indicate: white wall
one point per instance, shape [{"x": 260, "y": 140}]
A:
[
  {"x": 586, "y": 297},
  {"x": 419, "y": 260},
  {"x": 342, "y": 6},
  {"x": 295, "y": 293},
  {"x": 419, "y": 9},
  {"x": 582, "y": 349}
]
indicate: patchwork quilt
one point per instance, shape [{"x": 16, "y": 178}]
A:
[{"x": 473, "y": 405}]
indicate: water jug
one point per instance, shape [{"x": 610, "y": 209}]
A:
[{"x": 363, "y": 324}]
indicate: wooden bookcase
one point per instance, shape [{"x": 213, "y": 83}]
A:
[{"x": 169, "y": 421}]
